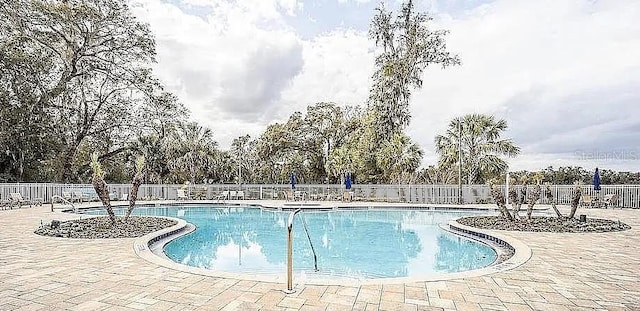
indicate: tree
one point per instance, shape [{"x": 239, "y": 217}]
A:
[
  {"x": 243, "y": 151},
  {"x": 575, "y": 201},
  {"x": 329, "y": 127},
  {"x": 399, "y": 158},
  {"x": 438, "y": 175},
  {"x": 498, "y": 197},
  {"x": 135, "y": 185},
  {"x": 325, "y": 130},
  {"x": 88, "y": 68},
  {"x": 191, "y": 151},
  {"x": 408, "y": 47},
  {"x": 306, "y": 143},
  {"x": 359, "y": 153},
  {"x": 101, "y": 187},
  {"x": 535, "y": 194},
  {"x": 341, "y": 160},
  {"x": 549, "y": 195},
  {"x": 477, "y": 136},
  {"x": 27, "y": 135}
]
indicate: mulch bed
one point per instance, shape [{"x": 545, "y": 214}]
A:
[
  {"x": 101, "y": 228},
  {"x": 544, "y": 224}
]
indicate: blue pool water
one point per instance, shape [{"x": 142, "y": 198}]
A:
[{"x": 357, "y": 243}]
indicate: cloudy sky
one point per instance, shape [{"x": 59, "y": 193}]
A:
[{"x": 565, "y": 74}]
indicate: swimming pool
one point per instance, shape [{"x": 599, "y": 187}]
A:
[{"x": 353, "y": 243}]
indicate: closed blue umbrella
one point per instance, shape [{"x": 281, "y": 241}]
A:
[
  {"x": 596, "y": 180},
  {"x": 293, "y": 181},
  {"x": 347, "y": 181}
]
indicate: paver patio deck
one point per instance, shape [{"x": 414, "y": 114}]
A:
[{"x": 591, "y": 271}]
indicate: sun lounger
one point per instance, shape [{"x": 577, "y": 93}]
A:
[
  {"x": 223, "y": 196},
  {"x": 347, "y": 196},
  {"x": 288, "y": 195},
  {"x": 610, "y": 200},
  {"x": 6, "y": 204},
  {"x": 20, "y": 201},
  {"x": 586, "y": 201},
  {"x": 181, "y": 194}
]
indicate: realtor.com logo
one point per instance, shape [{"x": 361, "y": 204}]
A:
[{"x": 616, "y": 155}]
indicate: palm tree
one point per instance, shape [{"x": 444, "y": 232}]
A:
[
  {"x": 477, "y": 136},
  {"x": 437, "y": 174},
  {"x": 101, "y": 187},
  {"x": 398, "y": 157},
  {"x": 340, "y": 160},
  {"x": 192, "y": 150},
  {"x": 243, "y": 151},
  {"x": 135, "y": 185}
]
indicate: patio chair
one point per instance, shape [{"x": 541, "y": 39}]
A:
[
  {"x": 240, "y": 195},
  {"x": 347, "y": 196},
  {"x": 288, "y": 195},
  {"x": 17, "y": 199},
  {"x": 113, "y": 196},
  {"x": 610, "y": 200},
  {"x": 232, "y": 195},
  {"x": 586, "y": 201},
  {"x": 223, "y": 196},
  {"x": 181, "y": 194},
  {"x": 77, "y": 196},
  {"x": 300, "y": 195},
  {"x": 200, "y": 193},
  {"x": 5, "y": 204}
]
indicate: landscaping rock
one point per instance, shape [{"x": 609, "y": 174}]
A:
[
  {"x": 101, "y": 228},
  {"x": 544, "y": 224}
]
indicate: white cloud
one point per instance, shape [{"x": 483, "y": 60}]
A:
[
  {"x": 564, "y": 74},
  {"x": 228, "y": 68},
  {"x": 259, "y": 8},
  {"x": 337, "y": 68}
]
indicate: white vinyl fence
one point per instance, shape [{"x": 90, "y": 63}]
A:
[{"x": 629, "y": 195}]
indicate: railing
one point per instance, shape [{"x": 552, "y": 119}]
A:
[
  {"x": 290, "y": 289},
  {"x": 63, "y": 200},
  {"x": 435, "y": 194}
]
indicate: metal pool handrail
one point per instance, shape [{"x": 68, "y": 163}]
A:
[
  {"x": 290, "y": 289},
  {"x": 313, "y": 250},
  {"x": 63, "y": 200}
]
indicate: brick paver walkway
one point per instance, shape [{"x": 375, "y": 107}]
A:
[{"x": 596, "y": 271}]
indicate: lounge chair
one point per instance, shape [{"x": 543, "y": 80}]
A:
[
  {"x": 67, "y": 196},
  {"x": 610, "y": 200},
  {"x": 4, "y": 204},
  {"x": 288, "y": 195},
  {"x": 586, "y": 201},
  {"x": 113, "y": 196},
  {"x": 347, "y": 196},
  {"x": 223, "y": 196},
  {"x": 181, "y": 194},
  {"x": 200, "y": 193},
  {"x": 18, "y": 200},
  {"x": 300, "y": 195}
]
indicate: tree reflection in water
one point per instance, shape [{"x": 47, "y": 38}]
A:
[{"x": 367, "y": 243}]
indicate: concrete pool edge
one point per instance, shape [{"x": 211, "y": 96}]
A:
[{"x": 150, "y": 248}]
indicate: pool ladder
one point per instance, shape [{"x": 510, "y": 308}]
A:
[{"x": 290, "y": 289}]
